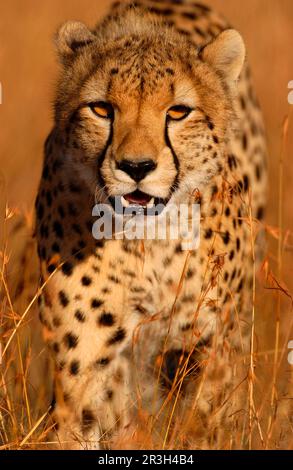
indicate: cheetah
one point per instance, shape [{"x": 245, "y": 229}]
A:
[{"x": 155, "y": 103}]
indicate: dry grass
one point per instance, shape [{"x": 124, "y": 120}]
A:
[{"x": 266, "y": 420}]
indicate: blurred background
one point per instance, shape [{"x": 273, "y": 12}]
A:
[{"x": 28, "y": 68}]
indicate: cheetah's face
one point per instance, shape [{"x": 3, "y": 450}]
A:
[{"x": 147, "y": 124}]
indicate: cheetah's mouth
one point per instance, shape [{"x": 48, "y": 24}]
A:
[{"x": 138, "y": 202}]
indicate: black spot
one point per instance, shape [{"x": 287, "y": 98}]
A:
[
  {"x": 242, "y": 102},
  {"x": 114, "y": 71},
  {"x": 61, "y": 365},
  {"x": 232, "y": 161},
  {"x": 215, "y": 139},
  {"x": 189, "y": 273},
  {"x": 96, "y": 303},
  {"x": 208, "y": 233},
  {"x": 67, "y": 268},
  {"x": 214, "y": 190},
  {"x": 244, "y": 141},
  {"x": 57, "y": 227},
  {"x": 226, "y": 275},
  {"x": 186, "y": 327},
  {"x": 240, "y": 186},
  {"x": 49, "y": 198},
  {"x": 189, "y": 15},
  {"x": 56, "y": 322},
  {"x": 140, "y": 309},
  {"x": 40, "y": 211},
  {"x": 170, "y": 71},
  {"x": 81, "y": 244},
  {"x": 80, "y": 316},
  {"x": 260, "y": 213},
  {"x": 231, "y": 255},
  {"x": 200, "y": 6},
  {"x": 118, "y": 336},
  {"x": 129, "y": 273},
  {"x": 172, "y": 361},
  {"x": 70, "y": 340},
  {"x": 106, "y": 319},
  {"x": 240, "y": 286},
  {"x": 45, "y": 173},
  {"x": 167, "y": 261},
  {"x": 210, "y": 123},
  {"x": 245, "y": 182},
  {"x": 56, "y": 348},
  {"x": 257, "y": 172},
  {"x": 137, "y": 289},
  {"x": 74, "y": 367},
  {"x": 227, "y": 211},
  {"x": 55, "y": 247},
  {"x": 103, "y": 361},
  {"x": 51, "y": 268},
  {"x": 113, "y": 279},
  {"x": 86, "y": 281},
  {"x": 87, "y": 419},
  {"x": 184, "y": 32},
  {"x": 233, "y": 273},
  {"x": 41, "y": 317},
  {"x": 239, "y": 217},
  {"x": 106, "y": 290},
  {"x": 63, "y": 298},
  {"x": 199, "y": 31},
  {"x": 214, "y": 212},
  {"x": 237, "y": 244},
  {"x": 109, "y": 394},
  {"x": 163, "y": 11},
  {"x": 79, "y": 255},
  {"x": 227, "y": 296},
  {"x": 226, "y": 237},
  {"x": 66, "y": 397}
]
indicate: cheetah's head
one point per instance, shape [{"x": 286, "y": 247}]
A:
[{"x": 146, "y": 113}]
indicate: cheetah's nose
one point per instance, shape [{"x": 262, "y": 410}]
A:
[{"x": 137, "y": 170}]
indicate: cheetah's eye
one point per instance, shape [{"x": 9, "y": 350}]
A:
[
  {"x": 176, "y": 113},
  {"x": 102, "y": 109}
]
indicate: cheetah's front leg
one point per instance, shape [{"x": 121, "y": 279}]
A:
[{"x": 93, "y": 403}]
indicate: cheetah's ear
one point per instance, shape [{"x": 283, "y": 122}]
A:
[
  {"x": 71, "y": 37},
  {"x": 226, "y": 54}
]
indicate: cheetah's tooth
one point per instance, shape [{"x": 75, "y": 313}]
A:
[
  {"x": 151, "y": 203},
  {"x": 124, "y": 202}
]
